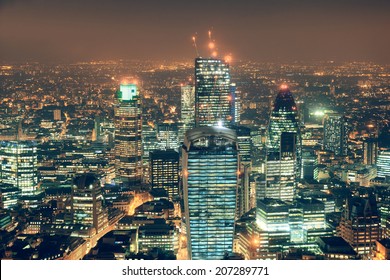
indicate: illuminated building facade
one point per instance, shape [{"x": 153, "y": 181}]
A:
[
  {"x": 158, "y": 235},
  {"x": 210, "y": 177},
  {"x": 383, "y": 198},
  {"x": 335, "y": 134},
  {"x": 244, "y": 143},
  {"x": 18, "y": 165},
  {"x": 281, "y": 172},
  {"x": 283, "y": 148},
  {"x": 164, "y": 171},
  {"x": 309, "y": 161},
  {"x": 168, "y": 136},
  {"x": 236, "y": 107},
  {"x": 57, "y": 114},
  {"x": 278, "y": 226},
  {"x": 149, "y": 139},
  {"x": 294, "y": 224},
  {"x": 128, "y": 136},
  {"x": 149, "y": 143},
  {"x": 188, "y": 107},
  {"x": 272, "y": 215},
  {"x": 213, "y": 99},
  {"x": 381, "y": 251},
  {"x": 237, "y": 110},
  {"x": 383, "y": 164},
  {"x": 87, "y": 202},
  {"x": 360, "y": 223},
  {"x": 250, "y": 241},
  {"x": 9, "y": 196}
]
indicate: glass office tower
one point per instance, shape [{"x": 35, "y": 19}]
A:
[
  {"x": 18, "y": 165},
  {"x": 168, "y": 136},
  {"x": 128, "y": 138},
  {"x": 283, "y": 163},
  {"x": 383, "y": 164},
  {"x": 213, "y": 98},
  {"x": 281, "y": 170},
  {"x": 244, "y": 144},
  {"x": 188, "y": 106},
  {"x": 210, "y": 176}
]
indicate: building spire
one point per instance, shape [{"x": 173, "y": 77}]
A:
[{"x": 19, "y": 136}]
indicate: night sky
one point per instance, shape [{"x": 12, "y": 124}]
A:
[{"x": 263, "y": 30}]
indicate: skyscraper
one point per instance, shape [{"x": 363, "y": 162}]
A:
[
  {"x": 210, "y": 171},
  {"x": 360, "y": 223},
  {"x": 128, "y": 138},
  {"x": 87, "y": 202},
  {"x": 187, "y": 114},
  {"x": 281, "y": 169},
  {"x": 168, "y": 136},
  {"x": 236, "y": 107},
  {"x": 283, "y": 148},
  {"x": 244, "y": 144},
  {"x": 335, "y": 134},
  {"x": 18, "y": 165},
  {"x": 383, "y": 164},
  {"x": 213, "y": 99},
  {"x": 149, "y": 143},
  {"x": 188, "y": 106},
  {"x": 370, "y": 151},
  {"x": 164, "y": 171}
]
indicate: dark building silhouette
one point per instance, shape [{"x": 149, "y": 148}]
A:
[
  {"x": 87, "y": 202},
  {"x": 360, "y": 223}
]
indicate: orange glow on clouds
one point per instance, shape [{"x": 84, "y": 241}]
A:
[
  {"x": 228, "y": 58},
  {"x": 284, "y": 86}
]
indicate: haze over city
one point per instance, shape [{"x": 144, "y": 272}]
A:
[{"x": 277, "y": 30}]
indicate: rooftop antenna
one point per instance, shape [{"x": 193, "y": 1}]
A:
[
  {"x": 195, "y": 46},
  {"x": 212, "y": 45}
]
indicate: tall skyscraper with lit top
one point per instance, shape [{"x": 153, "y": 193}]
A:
[
  {"x": 210, "y": 176},
  {"x": 128, "y": 136},
  {"x": 213, "y": 98},
  {"x": 283, "y": 148}
]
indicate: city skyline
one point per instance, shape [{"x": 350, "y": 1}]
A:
[
  {"x": 239, "y": 185},
  {"x": 126, "y": 135}
]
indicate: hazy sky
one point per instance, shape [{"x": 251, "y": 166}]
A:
[{"x": 263, "y": 30}]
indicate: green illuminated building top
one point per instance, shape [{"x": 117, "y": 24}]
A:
[{"x": 127, "y": 92}]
